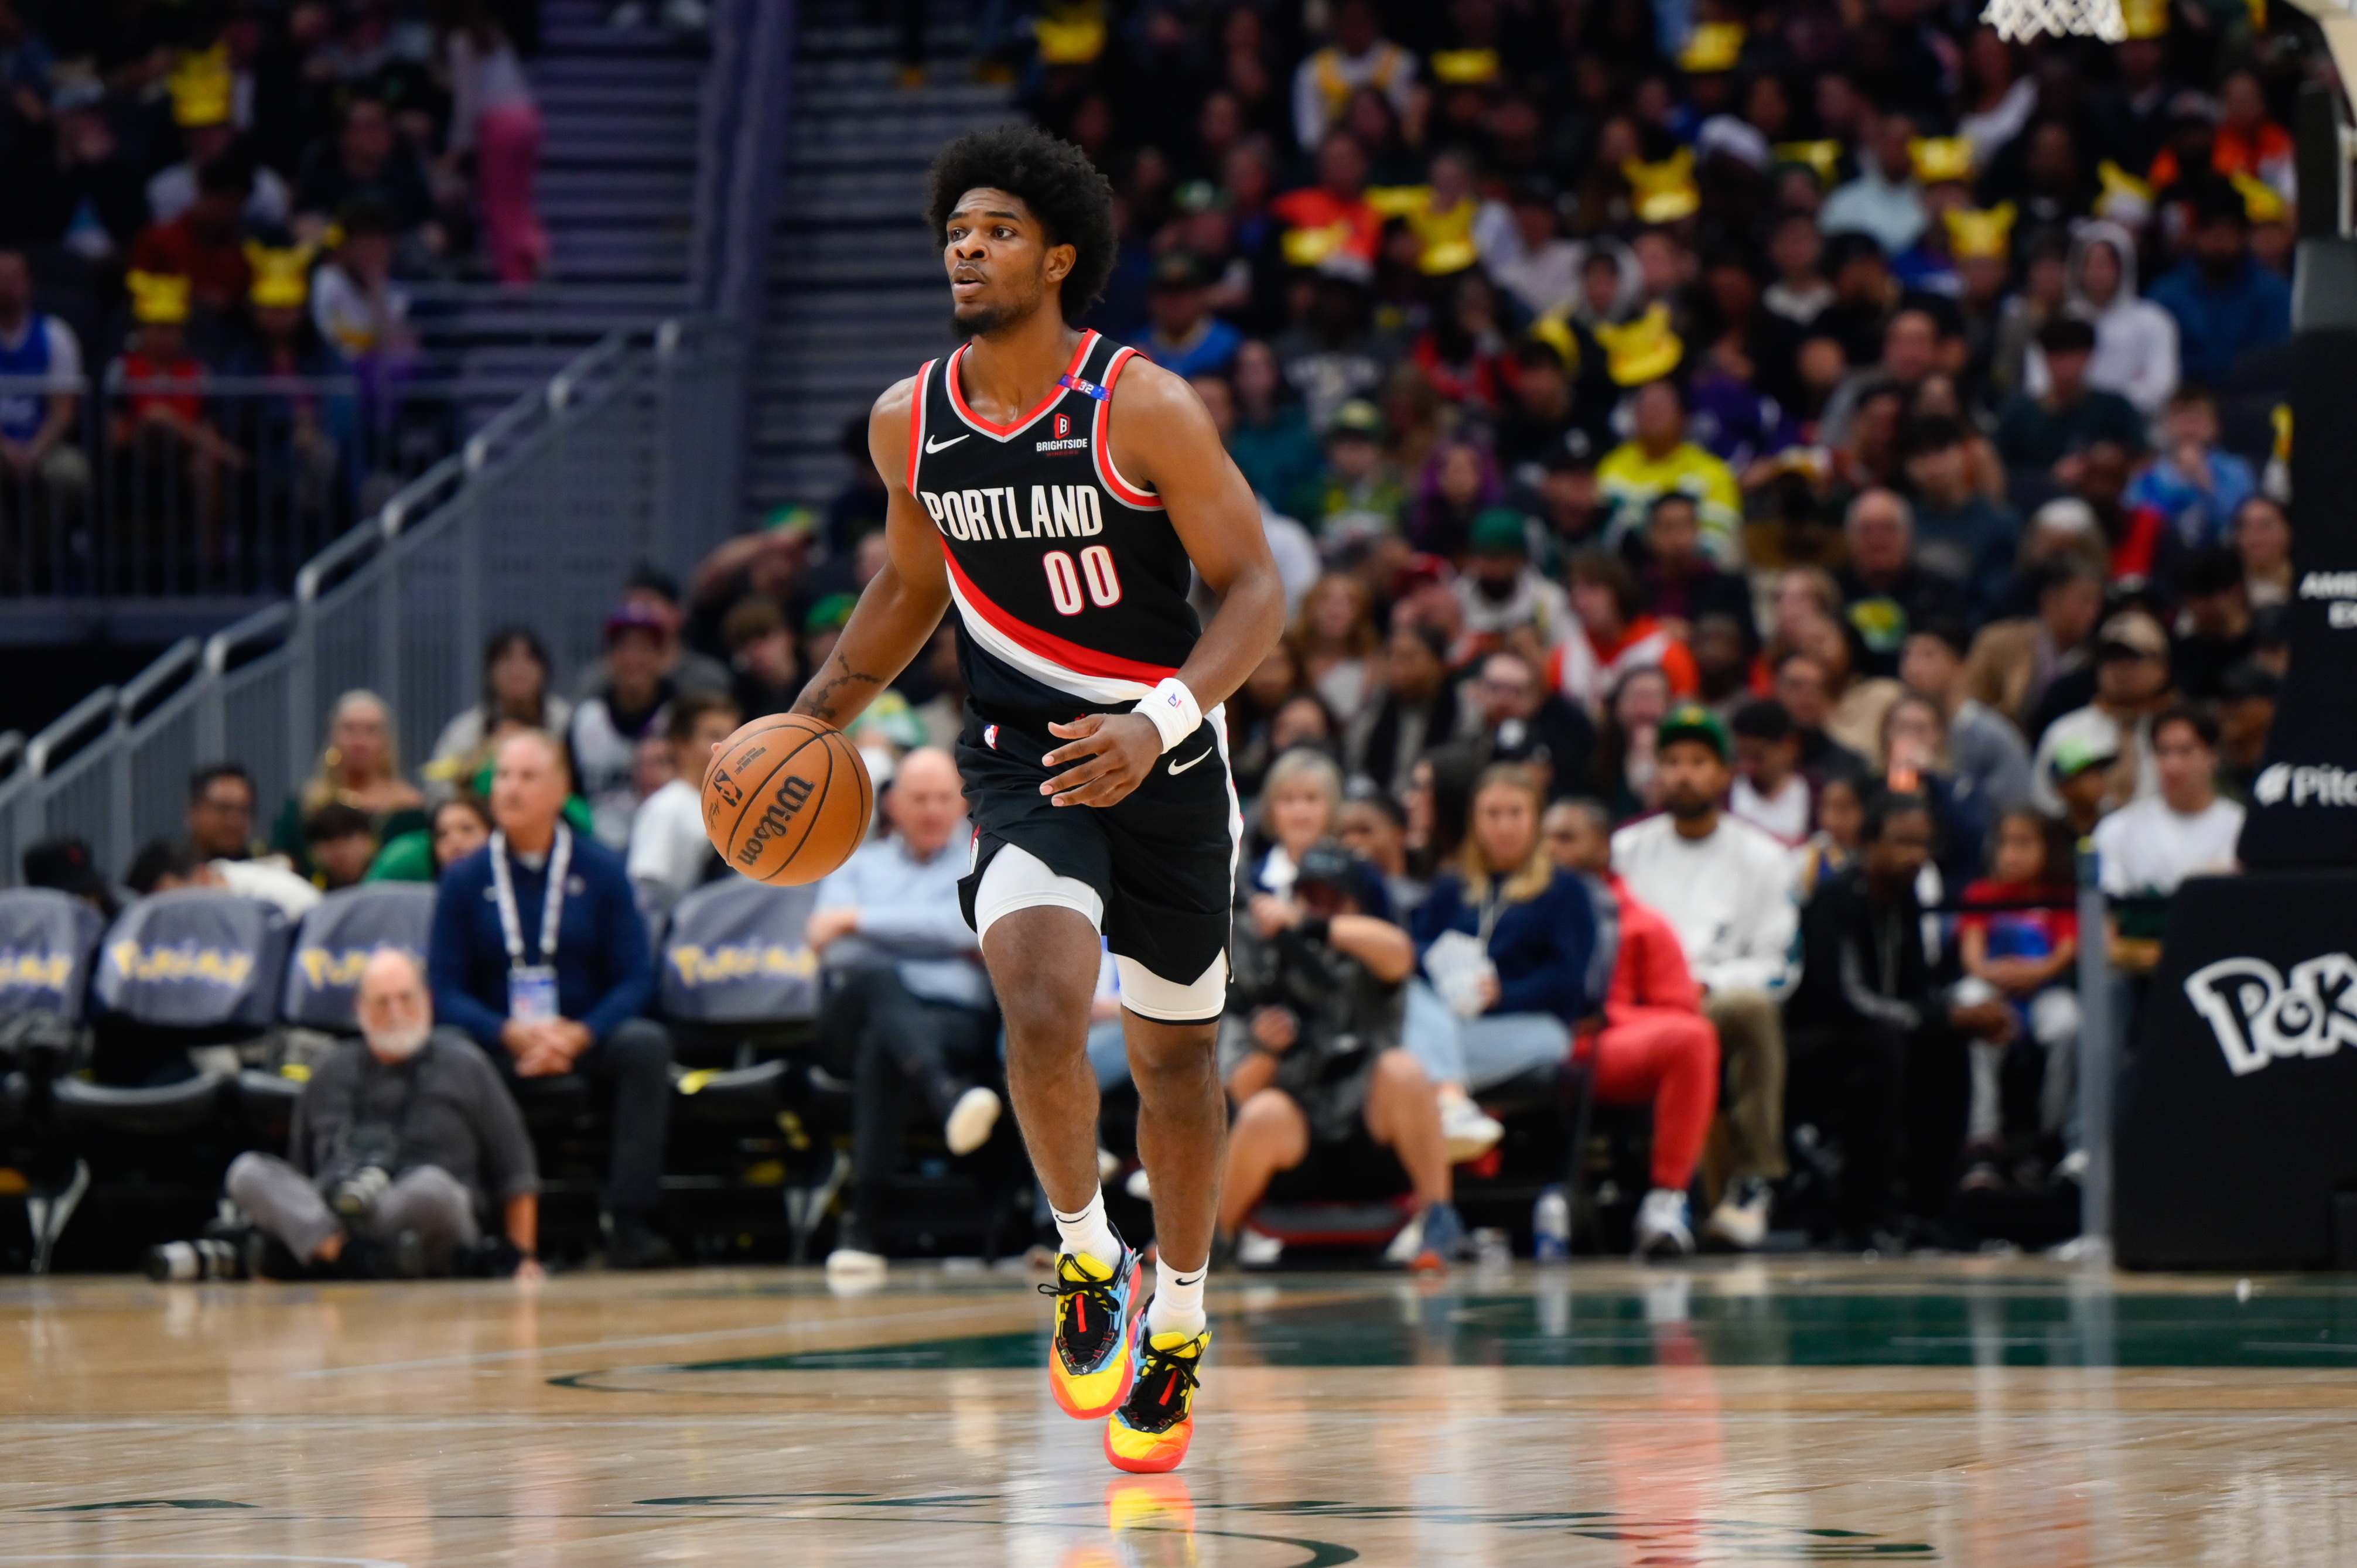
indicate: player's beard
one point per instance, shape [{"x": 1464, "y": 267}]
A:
[{"x": 990, "y": 318}]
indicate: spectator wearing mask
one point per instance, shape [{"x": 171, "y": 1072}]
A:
[
  {"x": 1658, "y": 458},
  {"x": 1415, "y": 709},
  {"x": 671, "y": 855},
  {"x": 1508, "y": 940},
  {"x": 403, "y": 1142},
  {"x": 1960, "y": 533},
  {"x": 1500, "y": 593},
  {"x": 515, "y": 695},
  {"x": 1612, "y": 637},
  {"x": 1985, "y": 748},
  {"x": 1878, "y": 1045},
  {"x": 2038, "y": 433},
  {"x": 1655, "y": 1048},
  {"x": 2135, "y": 341},
  {"x": 606, "y": 728},
  {"x": 2215, "y": 628},
  {"x": 2013, "y": 662},
  {"x": 1885, "y": 592},
  {"x": 2224, "y": 302},
  {"x": 1524, "y": 721},
  {"x": 1310, "y": 1053},
  {"x": 2132, "y": 680},
  {"x": 359, "y": 767},
  {"x": 2185, "y": 828},
  {"x": 340, "y": 842},
  {"x": 908, "y": 1006},
  {"x": 539, "y": 955},
  {"x": 2194, "y": 485},
  {"x": 1770, "y": 792},
  {"x": 221, "y": 812},
  {"x": 1725, "y": 887}
]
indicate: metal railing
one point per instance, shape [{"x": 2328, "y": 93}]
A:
[{"x": 536, "y": 520}]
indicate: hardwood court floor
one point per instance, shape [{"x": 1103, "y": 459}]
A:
[{"x": 1957, "y": 1412}]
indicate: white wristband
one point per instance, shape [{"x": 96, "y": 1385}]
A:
[{"x": 1172, "y": 709}]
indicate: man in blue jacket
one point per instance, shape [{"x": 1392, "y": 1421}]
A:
[
  {"x": 539, "y": 953},
  {"x": 2225, "y": 303}
]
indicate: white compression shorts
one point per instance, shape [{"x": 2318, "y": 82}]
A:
[{"x": 1018, "y": 879}]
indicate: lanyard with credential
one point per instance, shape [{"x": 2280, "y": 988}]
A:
[{"x": 532, "y": 988}]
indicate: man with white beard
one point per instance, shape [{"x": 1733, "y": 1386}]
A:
[{"x": 403, "y": 1140}]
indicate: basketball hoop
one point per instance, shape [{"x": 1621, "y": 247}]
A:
[{"x": 2022, "y": 20}]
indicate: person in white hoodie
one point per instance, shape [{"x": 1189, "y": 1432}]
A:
[
  {"x": 2135, "y": 341},
  {"x": 1725, "y": 887}
]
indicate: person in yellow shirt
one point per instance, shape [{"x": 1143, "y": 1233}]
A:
[{"x": 1659, "y": 459}]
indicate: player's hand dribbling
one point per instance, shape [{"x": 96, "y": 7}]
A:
[{"x": 1115, "y": 753}]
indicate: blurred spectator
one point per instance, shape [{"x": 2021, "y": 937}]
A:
[
  {"x": 908, "y": 1006},
  {"x": 767, "y": 562},
  {"x": 605, "y": 728},
  {"x": 516, "y": 676},
  {"x": 1771, "y": 793},
  {"x": 206, "y": 242},
  {"x": 88, "y": 198},
  {"x": 1885, "y": 590},
  {"x": 1799, "y": 293},
  {"x": 359, "y": 767},
  {"x": 2013, "y": 662},
  {"x": 1505, "y": 598},
  {"x": 1985, "y": 747},
  {"x": 1360, "y": 493},
  {"x": 2135, "y": 341},
  {"x": 1658, "y": 458},
  {"x": 221, "y": 812},
  {"x": 1909, "y": 351},
  {"x": 1334, "y": 638},
  {"x": 403, "y": 1141},
  {"x": 1626, "y": 778},
  {"x": 1460, "y": 482},
  {"x": 2080, "y": 772},
  {"x": 669, "y": 851},
  {"x": 2245, "y": 142},
  {"x": 2261, "y": 535},
  {"x": 539, "y": 954},
  {"x": 2214, "y": 630},
  {"x": 2194, "y": 485},
  {"x": 1612, "y": 636},
  {"x": 41, "y": 360},
  {"x": 355, "y": 303},
  {"x": 1914, "y": 760},
  {"x": 367, "y": 161},
  {"x": 161, "y": 431},
  {"x": 1311, "y": 1052},
  {"x": 1526, "y": 252},
  {"x": 2025, "y": 955},
  {"x": 493, "y": 116},
  {"x": 1271, "y": 439},
  {"x": 2036, "y": 433},
  {"x": 203, "y": 108},
  {"x": 1725, "y": 887},
  {"x": 2225, "y": 303},
  {"x": 768, "y": 674},
  {"x": 1678, "y": 583},
  {"x": 1360, "y": 56},
  {"x": 1655, "y": 1047},
  {"x": 340, "y": 840},
  {"x": 1185, "y": 337},
  {"x": 2132, "y": 680},
  {"x": 1877, "y": 1046},
  {"x": 1413, "y": 709},
  {"x": 298, "y": 435},
  {"x": 1523, "y": 721},
  {"x": 66, "y": 866},
  {"x": 163, "y": 864},
  {"x": 1961, "y": 535},
  {"x": 1334, "y": 353},
  {"x": 460, "y": 825},
  {"x": 1802, "y": 685},
  {"x": 2184, "y": 828},
  {"x": 1883, "y": 202},
  {"x": 1374, "y": 826},
  {"x": 2246, "y": 710}
]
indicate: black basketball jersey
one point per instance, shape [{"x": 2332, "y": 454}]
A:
[{"x": 1069, "y": 582}]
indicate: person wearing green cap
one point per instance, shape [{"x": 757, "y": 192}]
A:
[
  {"x": 1501, "y": 592},
  {"x": 1361, "y": 490},
  {"x": 1725, "y": 887}
]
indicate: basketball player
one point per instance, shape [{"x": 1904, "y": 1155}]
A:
[{"x": 1055, "y": 487}]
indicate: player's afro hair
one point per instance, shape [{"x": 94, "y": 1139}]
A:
[{"x": 1055, "y": 180}]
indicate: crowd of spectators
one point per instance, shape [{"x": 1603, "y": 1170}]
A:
[{"x": 196, "y": 196}]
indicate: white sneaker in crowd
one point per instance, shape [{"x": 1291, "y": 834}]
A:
[
  {"x": 1257, "y": 1248},
  {"x": 1663, "y": 1230},
  {"x": 1741, "y": 1217},
  {"x": 971, "y": 1120},
  {"x": 1471, "y": 1131},
  {"x": 850, "y": 1266}
]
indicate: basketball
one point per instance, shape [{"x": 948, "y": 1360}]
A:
[{"x": 786, "y": 799}]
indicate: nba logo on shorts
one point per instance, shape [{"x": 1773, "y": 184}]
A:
[
  {"x": 990, "y": 732},
  {"x": 1064, "y": 426}
]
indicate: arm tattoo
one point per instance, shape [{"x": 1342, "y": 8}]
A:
[{"x": 818, "y": 701}]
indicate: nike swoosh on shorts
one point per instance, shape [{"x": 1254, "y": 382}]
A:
[
  {"x": 935, "y": 443},
  {"x": 1178, "y": 768}
]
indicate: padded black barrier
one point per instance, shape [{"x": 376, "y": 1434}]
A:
[{"x": 2236, "y": 1130}]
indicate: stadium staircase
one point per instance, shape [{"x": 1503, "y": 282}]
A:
[{"x": 855, "y": 291}]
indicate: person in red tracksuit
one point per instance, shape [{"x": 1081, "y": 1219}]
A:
[{"x": 1655, "y": 1045}]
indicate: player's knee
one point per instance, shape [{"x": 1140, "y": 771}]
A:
[{"x": 1173, "y": 1054}]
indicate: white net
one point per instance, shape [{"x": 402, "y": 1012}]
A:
[{"x": 2022, "y": 19}]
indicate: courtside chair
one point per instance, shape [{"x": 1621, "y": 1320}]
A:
[
  {"x": 47, "y": 943},
  {"x": 321, "y": 991}
]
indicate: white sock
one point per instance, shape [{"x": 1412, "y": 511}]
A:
[
  {"x": 1177, "y": 1303},
  {"x": 1087, "y": 1231}
]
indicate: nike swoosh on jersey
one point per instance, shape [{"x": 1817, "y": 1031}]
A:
[
  {"x": 935, "y": 443},
  {"x": 1178, "y": 768}
]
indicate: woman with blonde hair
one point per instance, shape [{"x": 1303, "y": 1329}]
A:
[
  {"x": 1300, "y": 801},
  {"x": 1508, "y": 940},
  {"x": 359, "y": 767},
  {"x": 1336, "y": 640}
]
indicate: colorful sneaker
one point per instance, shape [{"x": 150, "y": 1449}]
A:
[
  {"x": 1150, "y": 1432},
  {"x": 1088, "y": 1364}
]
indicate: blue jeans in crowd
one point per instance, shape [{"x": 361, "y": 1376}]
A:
[{"x": 1479, "y": 1052}]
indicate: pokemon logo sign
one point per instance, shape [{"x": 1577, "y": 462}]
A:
[
  {"x": 2261, "y": 1016},
  {"x": 327, "y": 969},
  {"x": 201, "y": 966},
  {"x": 35, "y": 970},
  {"x": 744, "y": 961}
]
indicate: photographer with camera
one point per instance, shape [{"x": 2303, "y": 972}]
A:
[
  {"x": 401, "y": 1140},
  {"x": 1309, "y": 1049}
]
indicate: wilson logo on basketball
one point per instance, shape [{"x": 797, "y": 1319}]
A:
[{"x": 776, "y": 819}]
